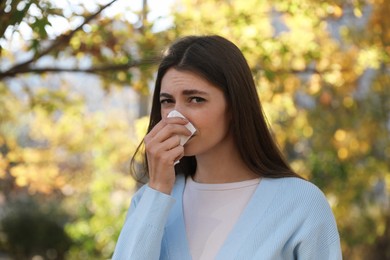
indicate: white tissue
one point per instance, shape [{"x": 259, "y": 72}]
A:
[{"x": 183, "y": 139}]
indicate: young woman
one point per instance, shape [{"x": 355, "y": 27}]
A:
[{"x": 232, "y": 195}]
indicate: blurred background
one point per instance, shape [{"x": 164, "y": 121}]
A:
[{"x": 75, "y": 84}]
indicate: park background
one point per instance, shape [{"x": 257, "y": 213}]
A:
[{"x": 75, "y": 84}]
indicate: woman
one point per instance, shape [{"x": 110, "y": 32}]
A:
[{"x": 232, "y": 195}]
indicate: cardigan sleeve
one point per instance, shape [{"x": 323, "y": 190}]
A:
[
  {"x": 143, "y": 230},
  {"x": 321, "y": 240},
  {"x": 327, "y": 252}
]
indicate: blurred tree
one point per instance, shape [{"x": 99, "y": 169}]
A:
[
  {"x": 322, "y": 70},
  {"x": 119, "y": 51},
  {"x": 51, "y": 143},
  {"x": 94, "y": 38},
  {"x": 33, "y": 229},
  {"x": 72, "y": 156}
]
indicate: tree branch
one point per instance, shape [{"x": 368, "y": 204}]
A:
[
  {"x": 93, "y": 70},
  {"x": 126, "y": 66},
  {"x": 60, "y": 40}
]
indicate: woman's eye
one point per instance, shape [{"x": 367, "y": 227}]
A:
[
  {"x": 196, "y": 99},
  {"x": 165, "y": 101}
]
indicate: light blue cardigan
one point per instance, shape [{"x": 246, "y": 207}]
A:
[{"x": 286, "y": 218}]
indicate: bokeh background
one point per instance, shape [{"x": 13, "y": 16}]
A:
[{"x": 75, "y": 84}]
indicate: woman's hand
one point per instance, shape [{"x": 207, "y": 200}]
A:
[{"x": 163, "y": 148}]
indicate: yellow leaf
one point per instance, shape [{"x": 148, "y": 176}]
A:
[
  {"x": 340, "y": 135},
  {"x": 342, "y": 153},
  {"x": 357, "y": 12}
]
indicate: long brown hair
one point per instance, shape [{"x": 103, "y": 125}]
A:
[{"x": 221, "y": 63}]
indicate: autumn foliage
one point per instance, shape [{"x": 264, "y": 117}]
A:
[{"x": 74, "y": 93}]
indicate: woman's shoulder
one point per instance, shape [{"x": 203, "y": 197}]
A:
[
  {"x": 303, "y": 202},
  {"x": 301, "y": 209},
  {"x": 294, "y": 185},
  {"x": 300, "y": 192}
]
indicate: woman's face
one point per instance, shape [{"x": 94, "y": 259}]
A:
[{"x": 203, "y": 104}]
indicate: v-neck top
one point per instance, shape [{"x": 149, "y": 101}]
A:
[
  {"x": 211, "y": 211},
  {"x": 285, "y": 218}
]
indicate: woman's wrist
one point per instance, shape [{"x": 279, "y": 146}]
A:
[{"x": 161, "y": 187}]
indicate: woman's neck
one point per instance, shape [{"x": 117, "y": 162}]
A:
[{"x": 222, "y": 165}]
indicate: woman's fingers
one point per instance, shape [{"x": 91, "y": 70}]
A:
[
  {"x": 164, "y": 122},
  {"x": 162, "y": 134},
  {"x": 171, "y": 130},
  {"x": 158, "y": 148},
  {"x": 165, "y": 155}
]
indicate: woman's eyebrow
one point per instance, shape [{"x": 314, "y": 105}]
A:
[
  {"x": 166, "y": 95},
  {"x": 189, "y": 92},
  {"x": 186, "y": 92}
]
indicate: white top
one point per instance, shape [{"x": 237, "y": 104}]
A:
[{"x": 211, "y": 211}]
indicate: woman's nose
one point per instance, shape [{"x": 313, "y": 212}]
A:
[{"x": 179, "y": 108}]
